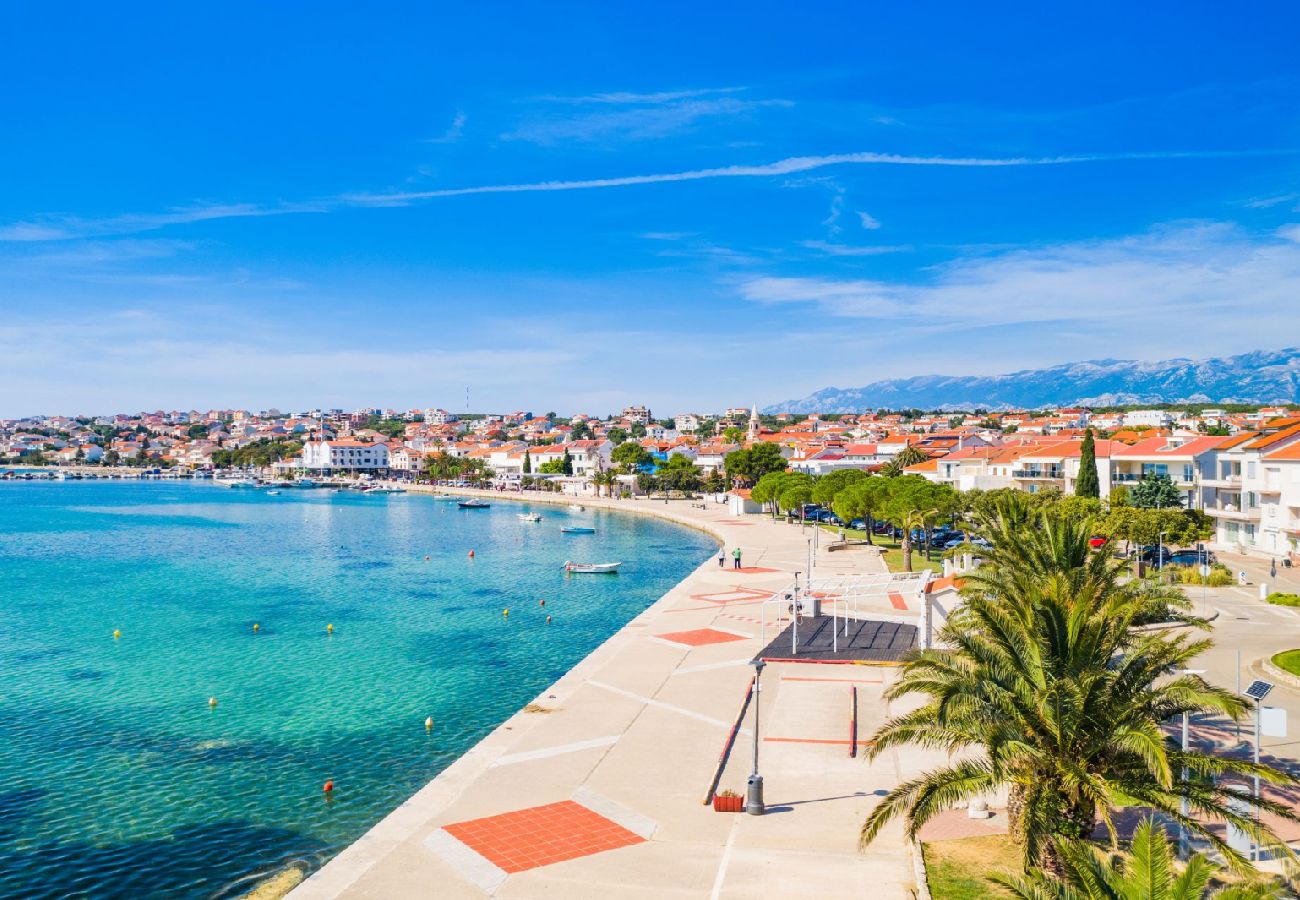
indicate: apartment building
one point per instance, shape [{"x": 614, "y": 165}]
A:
[
  {"x": 1186, "y": 459},
  {"x": 1249, "y": 484},
  {"x": 344, "y": 455}
]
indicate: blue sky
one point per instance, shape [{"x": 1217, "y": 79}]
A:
[{"x": 575, "y": 207}]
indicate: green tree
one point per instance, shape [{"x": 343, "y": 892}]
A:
[
  {"x": 1088, "y": 484},
  {"x": 833, "y": 482},
  {"x": 196, "y": 431},
  {"x": 714, "y": 483},
  {"x": 630, "y": 457},
  {"x": 862, "y": 500},
  {"x": 638, "y": 430},
  {"x": 552, "y": 467},
  {"x": 1064, "y": 702},
  {"x": 566, "y": 462},
  {"x": 749, "y": 464},
  {"x": 917, "y": 503},
  {"x": 767, "y": 488},
  {"x": 616, "y": 435},
  {"x": 1148, "y": 873},
  {"x": 528, "y": 463},
  {"x": 678, "y": 473},
  {"x": 908, "y": 456},
  {"x": 1155, "y": 492},
  {"x": 796, "y": 491},
  {"x": 733, "y": 435},
  {"x": 580, "y": 432}
]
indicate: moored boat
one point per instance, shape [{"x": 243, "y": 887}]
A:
[
  {"x": 577, "y": 529},
  {"x": 529, "y": 517},
  {"x": 473, "y": 503},
  {"x": 591, "y": 568}
]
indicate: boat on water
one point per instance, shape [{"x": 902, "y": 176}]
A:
[
  {"x": 591, "y": 568},
  {"x": 305, "y": 483},
  {"x": 272, "y": 493},
  {"x": 577, "y": 529},
  {"x": 473, "y": 503},
  {"x": 385, "y": 490},
  {"x": 237, "y": 482},
  {"x": 530, "y": 517},
  {"x": 577, "y": 507}
]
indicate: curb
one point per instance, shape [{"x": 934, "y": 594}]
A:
[
  {"x": 919, "y": 872},
  {"x": 1286, "y": 678}
]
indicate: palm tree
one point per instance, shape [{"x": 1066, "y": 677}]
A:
[
  {"x": 1149, "y": 873},
  {"x": 1062, "y": 702}
]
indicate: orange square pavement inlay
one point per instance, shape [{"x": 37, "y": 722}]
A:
[
  {"x": 700, "y": 636},
  {"x": 541, "y": 835}
]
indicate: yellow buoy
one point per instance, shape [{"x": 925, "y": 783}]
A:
[
  {"x": 117, "y": 633},
  {"x": 428, "y": 724},
  {"x": 212, "y": 702},
  {"x": 505, "y": 612},
  {"x": 257, "y": 627},
  {"x": 330, "y": 628}
]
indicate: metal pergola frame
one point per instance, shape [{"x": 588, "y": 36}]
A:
[{"x": 850, "y": 590}]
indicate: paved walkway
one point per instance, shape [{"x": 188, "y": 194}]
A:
[{"x": 602, "y": 794}]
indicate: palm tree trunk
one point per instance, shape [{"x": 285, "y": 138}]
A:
[
  {"x": 907, "y": 550},
  {"x": 871, "y": 524},
  {"x": 1016, "y": 800}
]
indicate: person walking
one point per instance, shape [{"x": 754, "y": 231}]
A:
[
  {"x": 735, "y": 558},
  {"x": 722, "y": 557}
]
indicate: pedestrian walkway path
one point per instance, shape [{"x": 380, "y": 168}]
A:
[{"x": 603, "y": 796}]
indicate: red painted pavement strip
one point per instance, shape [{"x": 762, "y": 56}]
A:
[
  {"x": 790, "y": 740},
  {"x": 700, "y": 636},
  {"x": 896, "y": 600},
  {"x": 541, "y": 835},
  {"x": 754, "y": 570}
]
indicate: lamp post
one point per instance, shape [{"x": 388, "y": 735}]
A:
[
  {"x": 1183, "y": 837},
  {"x": 1160, "y": 551},
  {"x": 754, "y": 799}
]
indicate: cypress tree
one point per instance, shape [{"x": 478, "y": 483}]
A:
[
  {"x": 1087, "y": 485},
  {"x": 528, "y": 463}
]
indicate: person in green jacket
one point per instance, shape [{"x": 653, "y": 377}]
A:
[{"x": 735, "y": 558}]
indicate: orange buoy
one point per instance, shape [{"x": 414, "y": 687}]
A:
[
  {"x": 329, "y": 785},
  {"x": 541, "y": 602},
  {"x": 471, "y": 554}
]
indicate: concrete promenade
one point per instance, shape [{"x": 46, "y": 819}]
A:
[{"x": 596, "y": 789}]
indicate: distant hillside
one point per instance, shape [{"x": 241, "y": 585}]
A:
[{"x": 1265, "y": 376}]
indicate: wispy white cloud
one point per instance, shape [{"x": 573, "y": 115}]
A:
[
  {"x": 789, "y": 166},
  {"x": 641, "y": 121},
  {"x": 1178, "y": 278},
  {"x": 62, "y": 228},
  {"x": 834, "y": 249},
  {"x": 869, "y": 222},
  {"x": 631, "y": 97},
  {"x": 454, "y": 131}
]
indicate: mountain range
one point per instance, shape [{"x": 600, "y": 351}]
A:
[{"x": 1264, "y": 376}]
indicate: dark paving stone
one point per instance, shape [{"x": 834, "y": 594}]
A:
[{"x": 858, "y": 641}]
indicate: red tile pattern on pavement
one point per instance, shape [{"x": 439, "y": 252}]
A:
[
  {"x": 896, "y": 600},
  {"x": 754, "y": 570},
  {"x": 699, "y": 637},
  {"x": 541, "y": 835},
  {"x": 735, "y": 595}
]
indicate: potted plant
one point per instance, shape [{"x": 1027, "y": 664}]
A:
[{"x": 728, "y": 801}]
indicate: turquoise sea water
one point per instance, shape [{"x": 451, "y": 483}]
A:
[{"x": 117, "y": 779}]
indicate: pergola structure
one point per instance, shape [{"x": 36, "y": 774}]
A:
[{"x": 846, "y": 595}]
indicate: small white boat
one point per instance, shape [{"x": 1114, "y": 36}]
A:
[
  {"x": 272, "y": 493},
  {"x": 577, "y": 529},
  {"x": 592, "y": 568},
  {"x": 473, "y": 503},
  {"x": 577, "y": 507},
  {"x": 237, "y": 482},
  {"x": 385, "y": 490},
  {"x": 530, "y": 517}
]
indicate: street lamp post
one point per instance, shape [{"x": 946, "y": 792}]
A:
[
  {"x": 754, "y": 800},
  {"x": 1183, "y": 836},
  {"x": 1160, "y": 551}
]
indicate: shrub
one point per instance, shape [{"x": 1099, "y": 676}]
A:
[
  {"x": 1219, "y": 576},
  {"x": 1277, "y": 598}
]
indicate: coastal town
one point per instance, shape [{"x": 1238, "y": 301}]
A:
[{"x": 1239, "y": 467}]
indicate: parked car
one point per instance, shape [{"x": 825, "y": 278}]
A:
[
  {"x": 1097, "y": 542},
  {"x": 857, "y": 523},
  {"x": 1154, "y": 555},
  {"x": 1191, "y": 558}
]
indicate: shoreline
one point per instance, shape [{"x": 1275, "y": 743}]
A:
[{"x": 597, "y": 738}]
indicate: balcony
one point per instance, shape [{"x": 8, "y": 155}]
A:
[
  {"x": 1227, "y": 481},
  {"x": 1039, "y": 474},
  {"x": 1232, "y": 512}
]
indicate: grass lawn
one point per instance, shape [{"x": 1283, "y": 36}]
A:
[
  {"x": 959, "y": 870},
  {"x": 1288, "y": 661},
  {"x": 893, "y": 550},
  {"x": 1277, "y": 598}
]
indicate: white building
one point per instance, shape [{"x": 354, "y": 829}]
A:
[
  {"x": 687, "y": 423},
  {"x": 1149, "y": 418},
  {"x": 1253, "y": 492},
  {"x": 637, "y": 414},
  {"x": 328, "y": 457},
  {"x": 438, "y": 416}
]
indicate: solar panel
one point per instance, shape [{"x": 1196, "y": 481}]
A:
[{"x": 1258, "y": 690}]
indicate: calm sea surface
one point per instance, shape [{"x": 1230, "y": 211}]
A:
[{"x": 117, "y": 779}]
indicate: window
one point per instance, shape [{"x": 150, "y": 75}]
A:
[
  {"x": 1189, "y": 472},
  {"x": 1250, "y": 470}
]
